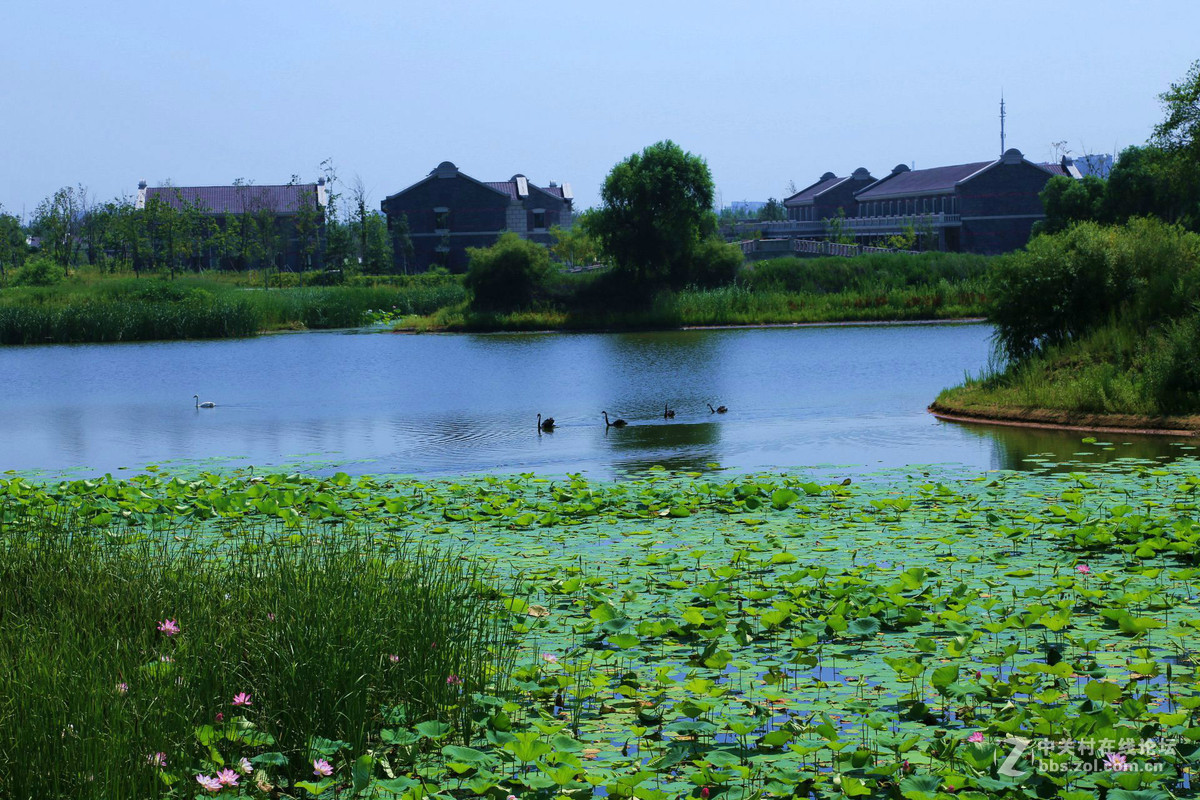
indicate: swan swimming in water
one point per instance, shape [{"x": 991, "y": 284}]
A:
[
  {"x": 717, "y": 410},
  {"x": 616, "y": 423},
  {"x": 546, "y": 425},
  {"x": 668, "y": 412},
  {"x": 205, "y": 404}
]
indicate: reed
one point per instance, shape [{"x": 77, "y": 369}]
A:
[{"x": 333, "y": 635}]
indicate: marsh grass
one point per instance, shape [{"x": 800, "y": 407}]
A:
[
  {"x": 129, "y": 309},
  {"x": 333, "y": 633}
]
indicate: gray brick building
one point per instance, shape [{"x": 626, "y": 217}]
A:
[
  {"x": 979, "y": 207},
  {"x": 449, "y": 211}
]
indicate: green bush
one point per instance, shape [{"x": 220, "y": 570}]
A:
[
  {"x": 510, "y": 275},
  {"x": 39, "y": 271},
  {"x": 715, "y": 263},
  {"x": 1066, "y": 284}
]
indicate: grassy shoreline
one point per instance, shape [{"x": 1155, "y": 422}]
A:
[{"x": 106, "y": 308}]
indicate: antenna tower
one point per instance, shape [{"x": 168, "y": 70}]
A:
[{"x": 1001, "y": 122}]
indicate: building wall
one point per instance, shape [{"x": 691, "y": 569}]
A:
[
  {"x": 477, "y": 216},
  {"x": 999, "y": 207},
  {"x": 840, "y": 196}
]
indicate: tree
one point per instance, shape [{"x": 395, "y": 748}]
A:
[
  {"x": 308, "y": 228},
  {"x": 358, "y": 202},
  {"x": 56, "y": 221},
  {"x": 402, "y": 246},
  {"x": 509, "y": 275},
  {"x": 377, "y": 244},
  {"x": 1180, "y": 132},
  {"x": 773, "y": 211},
  {"x": 656, "y": 211},
  {"x": 575, "y": 245},
  {"x": 12, "y": 243},
  {"x": 1067, "y": 201}
]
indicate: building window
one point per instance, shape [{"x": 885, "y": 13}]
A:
[
  {"x": 441, "y": 218},
  {"x": 539, "y": 219}
]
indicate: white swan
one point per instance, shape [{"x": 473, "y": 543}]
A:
[{"x": 205, "y": 404}]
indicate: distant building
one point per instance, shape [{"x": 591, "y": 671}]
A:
[
  {"x": 828, "y": 197},
  {"x": 449, "y": 211},
  {"x": 283, "y": 203},
  {"x": 1098, "y": 164},
  {"x": 980, "y": 207}
]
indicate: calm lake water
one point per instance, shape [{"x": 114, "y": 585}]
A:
[{"x": 853, "y": 397}]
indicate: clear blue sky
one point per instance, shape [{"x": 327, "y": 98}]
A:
[{"x": 104, "y": 94}]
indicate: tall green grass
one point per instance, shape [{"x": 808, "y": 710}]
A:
[
  {"x": 129, "y": 309},
  {"x": 334, "y": 634}
]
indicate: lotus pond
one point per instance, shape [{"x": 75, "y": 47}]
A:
[{"x": 916, "y": 633}]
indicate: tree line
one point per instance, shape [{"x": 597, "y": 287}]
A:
[
  {"x": 1159, "y": 179},
  {"x": 71, "y": 228}
]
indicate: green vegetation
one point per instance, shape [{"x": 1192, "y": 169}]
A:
[
  {"x": 511, "y": 274},
  {"x": 870, "y": 288},
  {"x": 91, "y": 308},
  {"x": 1160, "y": 179},
  {"x": 656, "y": 223},
  {"x": 1095, "y": 320},
  {"x": 692, "y": 636}
]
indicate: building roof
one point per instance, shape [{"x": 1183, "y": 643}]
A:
[
  {"x": 237, "y": 199},
  {"x": 809, "y": 193},
  {"x": 516, "y": 188},
  {"x": 905, "y": 181}
]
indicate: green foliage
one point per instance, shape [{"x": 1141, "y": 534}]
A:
[
  {"x": 1067, "y": 201},
  {"x": 510, "y": 275},
  {"x": 875, "y": 271},
  {"x": 756, "y": 635},
  {"x": 39, "y": 271},
  {"x": 773, "y": 211},
  {"x": 576, "y": 245},
  {"x": 656, "y": 211},
  {"x": 1066, "y": 284},
  {"x": 331, "y": 635},
  {"x": 715, "y": 263},
  {"x": 126, "y": 309}
]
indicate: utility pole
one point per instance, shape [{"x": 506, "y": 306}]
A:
[{"x": 1001, "y": 122}]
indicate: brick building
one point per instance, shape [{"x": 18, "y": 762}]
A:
[
  {"x": 828, "y": 196},
  {"x": 285, "y": 204},
  {"x": 979, "y": 207},
  {"x": 449, "y": 211}
]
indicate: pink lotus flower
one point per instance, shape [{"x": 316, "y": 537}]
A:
[
  {"x": 158, "y": 759},
  {"x": 322, "y": 768},
  {"x": 227, "y": 777},
  {"x": 245, "y": 766},
  {"x": 168, "y": 627},
  {"x": 122, "y": 688},
  {"x": 209, "y": 782},
  {"x": 1083, "y": 569},
  {"x": 1116, "y": 762},
  {"x": 453, "y": 680},
  {"x": 241, "y": 699},
  {"x": 704, "y": 792},
  {"x": 550, "y": 658},
  {"x": 511, "y": 797},
  {"x": 395, "y": 659},
  {"x": 220, "y": 717},
  {"x": 976, "y": 737}
]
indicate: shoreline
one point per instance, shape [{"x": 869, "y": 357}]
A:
[
  {"x": 1183, "y": 427},
  {"x": 716, "y": 327}
]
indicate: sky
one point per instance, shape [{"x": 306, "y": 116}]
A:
[{"x": 106, "y": 94}]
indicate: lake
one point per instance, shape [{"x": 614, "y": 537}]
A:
[{"x": 847, "y": 398}]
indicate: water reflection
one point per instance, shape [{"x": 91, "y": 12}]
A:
[
  {"x": 1021, "y": 448},
  {"x": 674, "y": 445}
]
